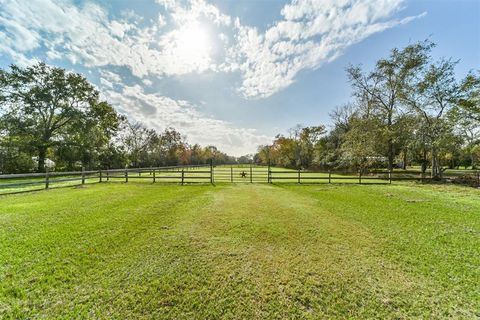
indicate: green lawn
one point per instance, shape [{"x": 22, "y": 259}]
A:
[{"x": 142, "y": 250}]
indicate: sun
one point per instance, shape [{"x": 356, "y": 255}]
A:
[{"x": 193, "y": 42}]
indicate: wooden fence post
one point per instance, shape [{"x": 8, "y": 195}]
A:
[
  {"x": 47, "y": 178},
  {"x": 153, "y": 175},
  {"x": 360, "y": 176},
  {"x": 251, "y": 178},
  {"x": 298, "y": 175},
  {"x": 329, "y": 176},
  {"x": 211, "y": 171},
  {"x": 390, "y": 176},
  {"x": 231, "y": 173},
  {"x": 108, "y": 176},
  {"x": 126, "y": 174},
  {"x": 83, "y": 175},
  {"x": 269, "y": 180},
  {"x": 183, "y": 176},
  {"x": 100, "y": 175}
]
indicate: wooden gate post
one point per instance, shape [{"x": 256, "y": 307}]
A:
[
  {"x": 251, "y": 178},
  {"x": 153, "y": 175},
  {"x": 360, "y": 176},
  {"x": 298, "y": 175},
  {"x": 126, "y": 174},
  {"x": 211, "y": 171},
  {"x": 100, "y": 175},
  {"x": 47, "y": 178},
  {"x": 83, "y": 175},
  {"x": 183, "y": 176},
  {"x": 231, "y": 173},
  {"x": 269, "y": 179},
  {"x": 329, "y": 176}
]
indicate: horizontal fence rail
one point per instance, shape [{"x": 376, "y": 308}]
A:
[
  {"x": 12, "y": 183},
  {"x": 368, "y": 176},
  {"x": 36, "y": 181}
]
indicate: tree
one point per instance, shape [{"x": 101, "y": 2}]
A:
[
  {"x": 172, "y": 148},
  {"x": 245, "y": 159},
  {"x": 360, "y": 148},
  {"x": 263, "y": 155},
  {"x": 469, "y": 129},
  {"x": 328, "y": 151},
  {"x": 307, "y": 141},
  {"x": 432, "y": 95},
  {"x": 196, "y": 154},
  {"x": 466, "y": 115},
  {"x": 137, "y": 141},
  {"x": 86, "y": 139},
  {"x": 468, "y": 105},
  {"x": 380, "y": 90},
  {"x": 42, "y": 103}
]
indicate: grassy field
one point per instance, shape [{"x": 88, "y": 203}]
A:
[{"x": 142, "y": 250}]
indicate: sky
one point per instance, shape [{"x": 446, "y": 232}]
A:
[{"x": 230, "y": 73}]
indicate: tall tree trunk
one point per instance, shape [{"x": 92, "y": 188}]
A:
[
  {"x": 436, "y": 170},
  {"x": 391, "y": 152},
  {"x": 424, "y": 161},
  {"x": 390, "y": 156},
  {"x": 42, "y": 154},
  {"x": 452, "y": 163}
]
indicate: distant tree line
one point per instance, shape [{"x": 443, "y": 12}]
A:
[
  {"x": 408, "y": 110},
  {"x": 49, "y": 115}
]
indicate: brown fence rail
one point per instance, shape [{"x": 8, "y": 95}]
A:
[
  {"x": 361, "y": 177},
  {"x": 13, "y": 183}
]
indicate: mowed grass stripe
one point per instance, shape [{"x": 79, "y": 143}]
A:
[
  {"x": 70, "y": 252},
  {"x": 240, "y": 251}
]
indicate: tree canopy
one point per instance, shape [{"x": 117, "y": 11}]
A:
[
  {"x": 48, "y": 113},
  {"x": 407, "y": 110}
]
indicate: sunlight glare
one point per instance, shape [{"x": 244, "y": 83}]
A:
[{"x": 193, "y": 42}]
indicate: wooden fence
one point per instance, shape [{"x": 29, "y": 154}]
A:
[
  {"x": 173, "y": 174},
  {"x": 360, "y": 177},
  {"x": 11, "y": 183}
]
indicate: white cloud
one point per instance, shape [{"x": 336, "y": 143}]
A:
[
  {"x": 191, "y": 37},
  {"x": 195, "y": 37},
  {"x": 312, "y": 32},
  {"x": 86, "y": 35},
  {"x": 159, "y": 112},
  {"x": 196, "y": 9},
  {"x": 111, "y": 76},
  {"x": 147, "y": 82}
]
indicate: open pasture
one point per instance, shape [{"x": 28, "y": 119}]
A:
[{"x": 143, "y": 250}]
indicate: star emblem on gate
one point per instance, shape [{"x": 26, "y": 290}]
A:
[{"x": 243, "y": 174}]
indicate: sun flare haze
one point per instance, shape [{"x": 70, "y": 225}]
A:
[{"x": 193, "y": 43}]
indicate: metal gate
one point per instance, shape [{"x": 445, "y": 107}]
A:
[{"x": 240, "y": 173}]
